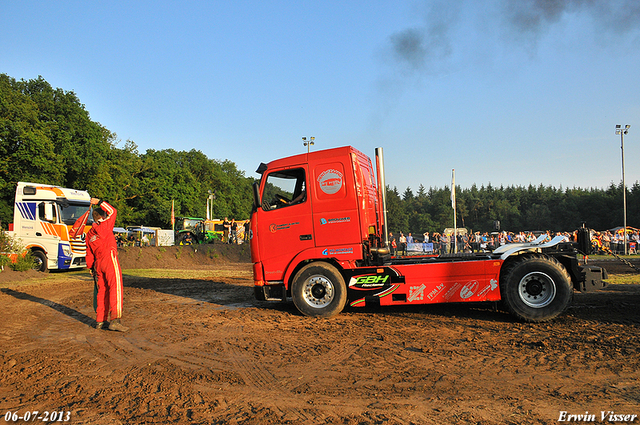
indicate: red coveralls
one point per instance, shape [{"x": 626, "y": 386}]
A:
[{"x": 102, "y": 256}]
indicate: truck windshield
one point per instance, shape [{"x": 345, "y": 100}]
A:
[
  {"x": 188, "y": 224},
  {"x": 70, "y": 212}
]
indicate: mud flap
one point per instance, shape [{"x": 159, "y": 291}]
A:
[{"x": 270, "y": 293}]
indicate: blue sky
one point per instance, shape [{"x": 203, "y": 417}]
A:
[{"x": 507, "y": 92}]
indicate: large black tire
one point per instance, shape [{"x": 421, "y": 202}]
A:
[
  {"x": 318, "y": 290},
  {"x": 535, "y": 288},
  {"x": 40, "y": 262}
]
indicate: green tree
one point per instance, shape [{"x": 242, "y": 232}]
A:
[{"x": 397, "y": 219}]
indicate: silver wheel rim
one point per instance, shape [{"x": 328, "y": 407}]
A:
[
  {"x": 318, "y": 291},
  {"x": 37, "y": 261},
  {"x": 537, "y": 289}
]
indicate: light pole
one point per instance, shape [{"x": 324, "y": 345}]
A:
[
  {"x": 308, "y": 143},
  {"x": 210, "y": 198},
  {"x": 622, "y": 131}
]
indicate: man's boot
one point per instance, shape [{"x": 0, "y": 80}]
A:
[{"x": 115, "y": 325}]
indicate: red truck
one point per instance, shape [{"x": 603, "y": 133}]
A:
[{"x": 319, "y": 236}]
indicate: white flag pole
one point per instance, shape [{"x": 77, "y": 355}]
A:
[{"x": 453, "y": 205}]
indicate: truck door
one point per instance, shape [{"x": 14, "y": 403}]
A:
[
  {"x": 47, "y": 218},
  {"x": 335, "y": 208},
  {"x": 284, "y": 221}
]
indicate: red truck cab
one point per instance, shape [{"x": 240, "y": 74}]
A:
[
  {"x": 318, "y": 235},
  {"x": 321, "y": 205}
]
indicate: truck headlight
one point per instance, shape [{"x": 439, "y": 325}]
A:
[{"x": 66, "y": 250}]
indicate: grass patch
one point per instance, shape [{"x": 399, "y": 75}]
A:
[
  {"x": 610, "y": 257},
  {"x": 623, "y": 279},
  {"x": 187, "y": 274}
]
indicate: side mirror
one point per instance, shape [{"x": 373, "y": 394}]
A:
[
  {"x": 48, "y": 213},
  {"x": 256, "y": 195}
]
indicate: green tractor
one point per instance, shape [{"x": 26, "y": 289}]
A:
[{"x": 193, "y": 230}]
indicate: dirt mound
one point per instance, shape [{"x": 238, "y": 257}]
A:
[
  {"x": 8, "y": 275},
  {"x": 177, "y": 257},
  {"x": 164, "y": 257}
]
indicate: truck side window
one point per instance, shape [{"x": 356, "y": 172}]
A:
[
  {"x": 47, "y": 212},
  {"x": 284, "y": 188}
]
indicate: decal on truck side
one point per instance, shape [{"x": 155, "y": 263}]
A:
[
  {"x": 469, "y": 289},
  {"x": 435, "y": 292},
  {"x": 275, "y": 227},
  {"x": 386, "y": 292},
  {"x": 27, "y": 210},
  {"x": 368, "y": 281},
  {"x": 337, "y": 251},
  {"x": 330, "y": 181},
  {"x": 416, "y": 293},
  {"x": 335, "y": 220},
  {"x": 493, "y": 284}
]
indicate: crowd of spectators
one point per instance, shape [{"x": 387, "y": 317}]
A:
[
  {"x": 614, "y": 241},
  {"x": 443, "y": 243}
]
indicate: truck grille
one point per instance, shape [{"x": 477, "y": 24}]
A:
[{"x": 78, "y": 246}]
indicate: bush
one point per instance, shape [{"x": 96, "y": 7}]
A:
[
  {"x": 10, "y": 245},
  {"x": 4, "y": 261},
  {"x": 24, "y": 262}
]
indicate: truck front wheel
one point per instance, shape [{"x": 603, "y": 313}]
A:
[
  {"x": 40, "y": 262},
  {"x": 536, "y": 288},
  {"x": 319, "y": 290}
]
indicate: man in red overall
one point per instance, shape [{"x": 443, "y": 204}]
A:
[{"x": 102, "y": 261}]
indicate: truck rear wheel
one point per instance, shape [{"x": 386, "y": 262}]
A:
[
  {"x": 536, "y": 288},
  {"x": 319, "y": 290}
]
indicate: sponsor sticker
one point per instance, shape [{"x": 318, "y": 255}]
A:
[
  {"x": 275, "y": 227},
  {"x": 490, "y": 287},
  {"x": 337, "y": 251},
  {"x": 335, "y": 220},
  {"x": 416, "y": 293},
  {"x": 330, "y": 181},
  {"x": 435, "y": 292},
  {"x": 469, "y": 289},
  {"x": 369, "y": 281},
  {"x": 451, "y": 291}
]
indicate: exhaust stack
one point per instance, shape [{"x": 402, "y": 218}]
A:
[{"x": 382, "y": 194}]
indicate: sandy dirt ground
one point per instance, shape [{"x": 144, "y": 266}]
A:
[{"x": 202, "y": 350}]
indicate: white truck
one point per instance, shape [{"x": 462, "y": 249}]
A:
[{"x": 42, "y": 217}]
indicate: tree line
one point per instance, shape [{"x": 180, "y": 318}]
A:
[
  {"x": 512, "y": 208},
  {"x": 47, "y": 136}
]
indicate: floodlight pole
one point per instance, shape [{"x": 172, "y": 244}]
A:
[
  {"x": 308, "y": 143},
  {"x": 210, "y": 198},
  {"x": 622, "y": 131}
]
